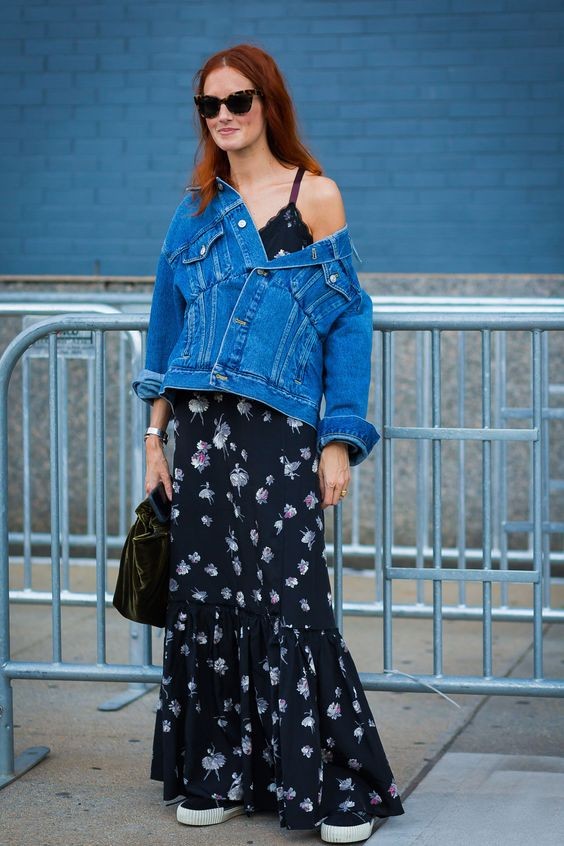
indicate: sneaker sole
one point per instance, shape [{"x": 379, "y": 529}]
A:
[
  {"x": 346, "y": 833},
  {"x": 210, "y": 816}
]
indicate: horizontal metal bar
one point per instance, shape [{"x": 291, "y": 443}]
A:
[
  {"x": 83, "y": 672},
  {"x": 445, "y": 433},
  {"x": 464, "y": 684},
  {"x": 394, "y": 321},
  {"x": 463, "y": 575},
  {"x": 452, "y": 612},
  {"x": 527, "y": 526},
  {"x": 43, "y": 597}
]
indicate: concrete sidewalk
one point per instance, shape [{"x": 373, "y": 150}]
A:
[{"x": 93, "y": 788}]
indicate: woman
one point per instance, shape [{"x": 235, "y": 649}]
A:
[{"x": 257, "y": 313}]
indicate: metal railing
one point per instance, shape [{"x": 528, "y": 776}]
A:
[{"x": 426, "y": 325}]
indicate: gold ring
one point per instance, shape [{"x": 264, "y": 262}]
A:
[{"x": 343, "y": 492}]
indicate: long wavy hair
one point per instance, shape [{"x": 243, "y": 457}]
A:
[{"x": 281, "y": 123}]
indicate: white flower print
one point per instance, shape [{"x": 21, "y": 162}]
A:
[
  {"x": 240, "y": 598},
  {"x": 334, "y": 710},
  {"x": 356, "y": 706},
  {"x": 358, "y": 733},
  {"x": 167, "y": 726},
  {"x": 207, "y": 520},
  {"x": 330, "y": 742},
  {"x": 174, "y": 513},
  {"x": 180, "y": 626},
  {"x": 345, "y": 783},
  {"x": 311, "y": 500},
  {"x": 290, "y": 467},
  {"x": 262, "y": 705},
  {"x": 237, "y": 565},
  {"x": 393, "y": 790},
  {"x": 238, "y": 477},
  {"x": 207, "y": 493},
  {"x": 294, "y": 424},
  {"x": 254, "y": 536},
  {"x": 269, "y": 480},
  {"x": 291, "y": 581},
  {"x": 309, "y": 720},
  {"x": 289, "y": 511},
  {"x": 338, "y": 692},
  {"x": 244, "y": 683},
  {"x": 175, "y": 707},
  {"x": 218, "y": 396},
  {"x": 185, "y": 649},
  {"x": 375, "y": 798},
  {"x": 274, "y": 597},
  {"x": 197, "y": 405},
  {"x": 319, "y": 522},
  {"x": 303, "y": 567},
  {"x": 192, "y": 687},
  {"x": 179, "y": 474},
  {"x": 354, "y": 764},
  {"x": 244, "y": 407},
  {"x": 200, "y": 460},
  {"x": 267, "y": 416},
  {"x": 274, "y": 675},
  {"x": 226, "y": 593},
  {"x": 346, "y": 805},
  {"x": 217, "y": 633},
  {"x": 182, "y": 568},
  {"x": 201, "y": 637},
  {"x": 199, "y": 594},
  {"x": 221, "y": 434},
  {"x": 213, "y": 761},
  {"x": 232, "y": 446},
  {"x": 194, "y": 557},
  {"x": 315, "y": 465},
  {"x": 244, "y": 454},
  {"x": 282, "y": 705},
  {"x": 257, "y": 595},
  {"x": 235, "y": 792},
  {"x": 267, "y": 554},
  {"x": 303, "y": 687},
  {"x": 304, "y": 604},
  {"x": 326, "y": 756},
  {"x": 278, "y": 525},
  {"x": 227, "y": 705},
  {"x": 220, "y": 666},
  {"x": 261, "y": 496},
  {"x": 211, "y": 570},
  {"x": 307, "y": 804},
  {"x": 172, "y": 585},
  {"x": 307, "y": 751},
  {"x": 305, "y": 453},
  {"x": 342, "y": 665},
  {"x": 289, "y": 794},
  {"x": 308, "y": 537},
  {"x": 175, "y": 487},
  {"x": 259, "y": 575}
]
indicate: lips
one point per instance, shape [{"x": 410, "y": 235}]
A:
[{"x": 227, "y": 131}]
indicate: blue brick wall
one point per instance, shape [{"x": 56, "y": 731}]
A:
[{"x": 441, "y": 120}]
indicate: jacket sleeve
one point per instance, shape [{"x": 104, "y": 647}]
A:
[
  {"x": 165, "y": 326},
  {"x": 346, "y": 381}
]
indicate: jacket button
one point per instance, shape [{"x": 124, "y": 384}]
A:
[
  {"x": 241, "y": 224},
  {"x": 333, "y": 277},
  {"x": 203, "y": 250},
  {"x": 220, "y": 186}
]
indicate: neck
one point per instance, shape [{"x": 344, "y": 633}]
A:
[{"x": 251, "y": 169}]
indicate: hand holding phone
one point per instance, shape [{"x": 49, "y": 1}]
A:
[{"x": 160, "y": 503}]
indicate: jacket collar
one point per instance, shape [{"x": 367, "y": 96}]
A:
[{"x": 335, "y": 246}]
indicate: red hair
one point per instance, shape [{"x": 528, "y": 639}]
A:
[{"x": 281, "y": 123}]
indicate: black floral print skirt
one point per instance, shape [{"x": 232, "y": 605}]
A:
[{"x": 260, "y": 700}]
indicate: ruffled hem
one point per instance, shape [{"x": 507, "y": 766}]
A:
[{"x": 256, "y": 710}]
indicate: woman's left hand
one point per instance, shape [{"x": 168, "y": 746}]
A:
[{"x": 334, "y": 472}]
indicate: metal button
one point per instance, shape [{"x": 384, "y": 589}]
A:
[
  {"x": 220, "y": 186},
  {"x": 241, "y": 224},
  {"x": 203, "y": 250},
  {"x": 262, "y": 272},
  {"x": 333, "y": 277}
]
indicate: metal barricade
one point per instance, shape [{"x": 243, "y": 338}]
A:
[{"x": 431, "y": 325}]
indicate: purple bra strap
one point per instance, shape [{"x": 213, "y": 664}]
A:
[{"x": 296, "y": 185}]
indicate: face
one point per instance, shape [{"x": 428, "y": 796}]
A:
[{"x": 234, "y": 132}]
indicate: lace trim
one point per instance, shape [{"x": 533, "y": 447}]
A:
[{"x": 298, "y": 217}]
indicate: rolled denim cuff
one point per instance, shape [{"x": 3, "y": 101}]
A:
[
  {"x": 147, "y": 385},
  {"x": 355, "y": 431}
]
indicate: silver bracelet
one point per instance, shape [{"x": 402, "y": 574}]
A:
[{"x": 160, "y": 433}]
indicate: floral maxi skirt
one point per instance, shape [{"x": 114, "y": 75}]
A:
[{"x": 260, "y": 701}]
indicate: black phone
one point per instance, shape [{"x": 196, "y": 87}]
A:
[{"x": 160, "y": 503}]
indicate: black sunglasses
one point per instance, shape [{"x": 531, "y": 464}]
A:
[{"x": 238, "y": 103}]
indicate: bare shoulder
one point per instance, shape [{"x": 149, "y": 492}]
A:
[{"x": 321, "y": 205}]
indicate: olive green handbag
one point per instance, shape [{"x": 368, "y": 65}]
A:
[{"x": 142, "y": 584}]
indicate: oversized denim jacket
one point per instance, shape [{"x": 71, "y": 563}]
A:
[{"x": 287, "y": 332}]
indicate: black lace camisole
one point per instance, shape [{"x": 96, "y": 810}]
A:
[{"x": 286, "y": 232}]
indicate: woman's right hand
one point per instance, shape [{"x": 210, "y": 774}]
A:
[{"x": 157, "y": 467}]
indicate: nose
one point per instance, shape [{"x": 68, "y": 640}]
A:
[{"x": 224, "y": 113}]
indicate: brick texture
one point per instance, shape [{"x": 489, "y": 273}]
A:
[{"x": 441, "y": 120}]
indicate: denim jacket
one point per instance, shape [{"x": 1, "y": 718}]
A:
[{"x": 287, "y": 332}]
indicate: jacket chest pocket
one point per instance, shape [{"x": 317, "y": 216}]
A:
[
  {"x": 206, "y": 261},
  {"x": 323, "y": 290}
]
